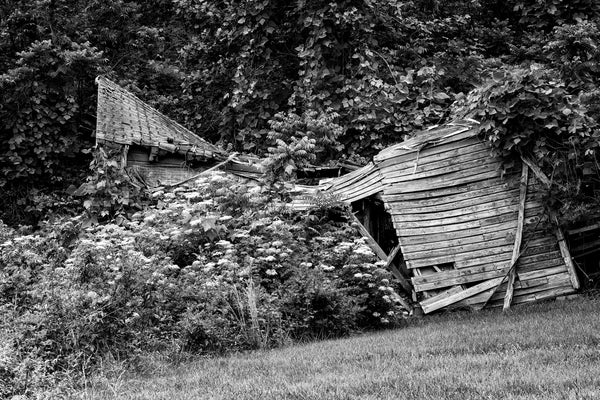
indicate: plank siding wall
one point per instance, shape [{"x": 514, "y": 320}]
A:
[
  {"x": 166, "y": 171},
  {"x": 455, "y": 207}
]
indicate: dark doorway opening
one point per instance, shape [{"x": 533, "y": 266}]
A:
[{"x": 584, "y": 245}]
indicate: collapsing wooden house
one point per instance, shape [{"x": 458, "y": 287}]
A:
[
  {"x": 160, "y": 151},
  {"x": 466, "y": 230},
  {"x": 155, "y": 146}
]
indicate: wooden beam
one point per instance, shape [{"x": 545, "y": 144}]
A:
[
  {"x": 564, "y": 251},
  {"x": 383, "y": 256},
  {"x": 124, "y": 152},
  {"x": 512, "y": 274},
  {"x": 443, "y": 300}
]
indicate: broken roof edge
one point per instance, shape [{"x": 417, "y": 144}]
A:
[
  {"x": 187, "y": 141},
  {"x": 434, "y": 135}
]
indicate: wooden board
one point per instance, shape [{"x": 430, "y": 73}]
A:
[
  {"x": 464, "y": 214},
  {"x": 439, "y": 152},
  {"x": 445, "y": 251},
  {"x": 495, "y": 271},
  {"x": 485, "y": 173},
  {"x": 451, "y": 242},
  {"x": 419, "y": 241},
  {"x": 416, "y": 168},
  {"x": 457, "y": 257},
  {"x": 406, "y": 173},
  {"x": 436, "y": 196},
  {"x": 448, "y": 226},
  {"x": 521, "y": 296},
  {"x": 440, "y": 301},
  {"x": 463, "y": 200}
]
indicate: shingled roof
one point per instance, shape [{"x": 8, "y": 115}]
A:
[{"x": 125, "y": 119}]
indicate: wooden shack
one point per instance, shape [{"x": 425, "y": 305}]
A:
[
  {"x": 153, "y": 145},
  {"x": 470, "y": 229}
]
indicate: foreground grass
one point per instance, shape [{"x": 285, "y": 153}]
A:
[{"x": 542, "y": 351}]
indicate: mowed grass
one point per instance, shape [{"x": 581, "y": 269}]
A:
[{"x": 541, "y": 351}]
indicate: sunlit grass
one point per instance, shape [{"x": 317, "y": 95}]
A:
[{"x": 543, "y": 351}]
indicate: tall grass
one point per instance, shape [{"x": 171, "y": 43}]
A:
[{"x": 541, "y": 351}]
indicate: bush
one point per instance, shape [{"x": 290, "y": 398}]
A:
[{"x": 212, "y": 268}]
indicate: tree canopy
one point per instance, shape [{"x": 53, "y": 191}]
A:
[{"x": 338, "y": 79}]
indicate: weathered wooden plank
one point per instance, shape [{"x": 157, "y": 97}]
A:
[
  {"x": 556, "y": 278},
  {"x": 427, "y": 166},
  {"x": 551, "y": 263},
  {"x": 474, "y": 174},
  {"x": 483, "y": 260},
  {"x": 535, "y": 212},
  {"x": 355, "y": 184},
  {"x": 496, "y": 272},
  {"x": 564, "y": 251},
  {"x": 359, "y": 193},
  {"x": 499, "y": 206},
  {"x": 457, "y": 257},
  {"x": 404, "y": 174},
  {"x": 457, "y": 273},
  {"x": 425, "y": 245},
  {"x": 549, "y": 259},
  {"x": 492, "y": 216},
  {"x": 443, "y": 251},
  {"x": 472, "y": 227},
  {"x": 534, "y": 292},
  {"x": 533, "y": 250},
  {"x": 538, "y": 258},
  {"x": 525, "y": 276},
  {"x": 439, "y": 152},
  {"x": 501, "y": 193},
  {"x": 352, "y": 177},
  {"x": 373, "y": 178},
  {"x": 522, "y": 295},
  {"x": 546, "y": 294},
  {"x": 403, "y": 232},
  {"x": 446, "y": 196},
  {"x": 536, "y": 171},
  {"x": 437, "y": 302},
  {"x": 458, "y": 236}
]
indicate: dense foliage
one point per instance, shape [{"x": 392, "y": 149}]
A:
[
  {"x": 232, "y": 70},
  {"x": 211, "y": 268}
]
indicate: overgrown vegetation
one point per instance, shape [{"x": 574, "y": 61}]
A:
[
  {"x": 235, "y": 72},
  {"x": 213, "y": 268}
]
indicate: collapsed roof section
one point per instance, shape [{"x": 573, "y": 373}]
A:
[{"x": 124, "y": 119}]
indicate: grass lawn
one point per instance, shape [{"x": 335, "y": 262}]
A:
[{"x": 542, "y": 351}]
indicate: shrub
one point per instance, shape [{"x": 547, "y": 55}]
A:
[{"x": 210, "y": 268}]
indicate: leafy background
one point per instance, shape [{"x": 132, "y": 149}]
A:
[{"x": 232, "y": 70}]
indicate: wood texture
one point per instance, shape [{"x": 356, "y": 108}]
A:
[
  {"x": 440, "y": 301},
  {"x": 564, "y": 251},
  {"x": 512, "y": 274}
]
